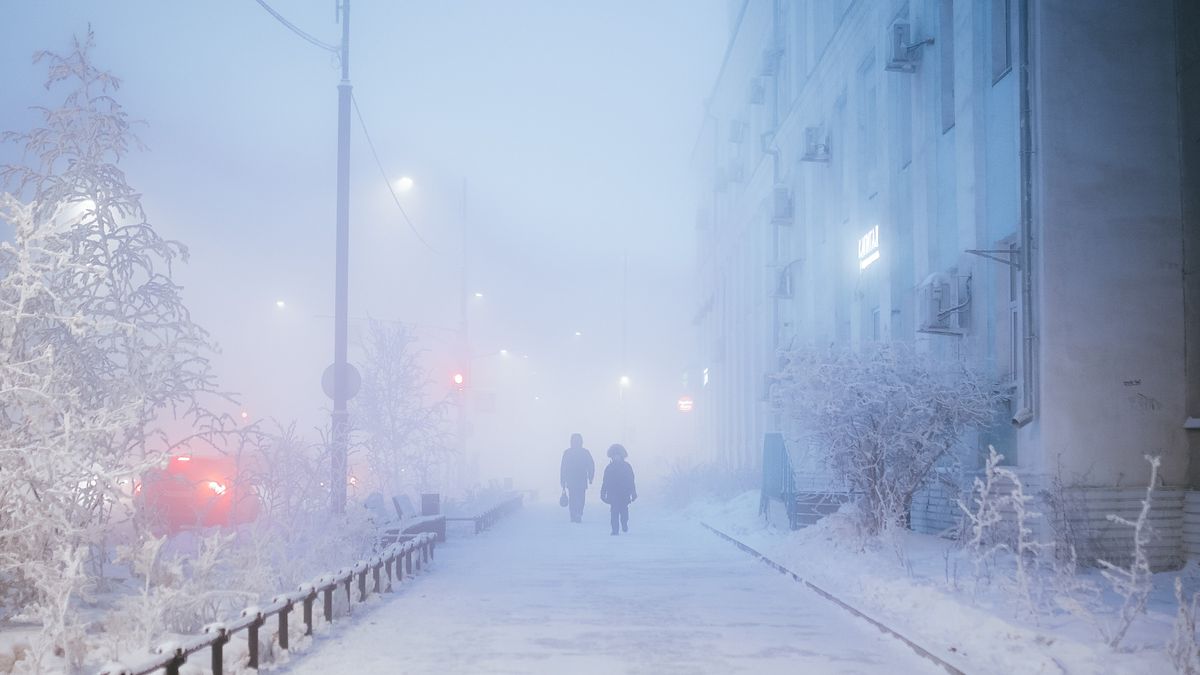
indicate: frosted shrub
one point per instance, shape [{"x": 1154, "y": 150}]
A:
[
  {"x": 1133, "y": 583},
  {"x": 999, "y": 520},
  {"x": 405, "y": 436},
  {"x": 1183, "y": 647},
  {"x": 882, "y": 418}
]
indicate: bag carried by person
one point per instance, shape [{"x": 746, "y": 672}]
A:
[{"x": 562, "y": 501}]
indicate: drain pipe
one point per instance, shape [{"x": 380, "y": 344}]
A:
[
  {"x": 1029, "y": 347},
  {"x": 772, "y": 149}
]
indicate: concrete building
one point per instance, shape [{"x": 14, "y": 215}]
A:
[{"x": 1010, "y": 180}]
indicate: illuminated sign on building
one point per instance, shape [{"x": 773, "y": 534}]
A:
[
  {"x": 868, "y": 248},
  {"x": 685, "y": 404}
]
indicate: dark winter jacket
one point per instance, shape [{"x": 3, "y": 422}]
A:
[
  {"x": 618, "y": 487},
  {"x": 577, "y": 470}
]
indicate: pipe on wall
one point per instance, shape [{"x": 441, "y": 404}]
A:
[{"x": 1025, "y": 414}]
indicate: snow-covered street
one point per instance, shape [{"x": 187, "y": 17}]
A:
[{"x": 539, "y": 594}]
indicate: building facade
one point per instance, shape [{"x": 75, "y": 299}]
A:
[{"x": 994, "y": 179}]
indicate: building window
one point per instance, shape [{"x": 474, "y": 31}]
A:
[
  {"x": 946, "y": 53},
  {"x": 1001, "y": 25}
]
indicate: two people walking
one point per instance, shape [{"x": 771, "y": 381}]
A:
[{"x": 617, "y": 489}]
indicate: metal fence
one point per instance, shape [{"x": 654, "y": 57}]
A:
[
  {"x": 389, "y": 566},
  {"x": 489, "y": 517}
]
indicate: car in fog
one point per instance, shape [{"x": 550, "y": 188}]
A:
[{"x": 195, "y": 491}]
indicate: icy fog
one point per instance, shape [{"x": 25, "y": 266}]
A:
[
  {"x": 837, "y": 277},
  {"x": 570, "y": 125}
]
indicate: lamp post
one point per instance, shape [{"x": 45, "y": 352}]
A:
[
  {"x": 340, "y": 421},
  {"x": 468, "y": 467}
]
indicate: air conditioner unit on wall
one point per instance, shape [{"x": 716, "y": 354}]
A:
[
  {"x": 943, "y": 304},
  {"x": 816, "y": 145},
  {"x": 758, "y": 91},
  {"x": 782, "y": 206},
  {"x": 903, "y": 53},
  {"x": 783, "y": 285},
  {"x": 766, "y": 141}
]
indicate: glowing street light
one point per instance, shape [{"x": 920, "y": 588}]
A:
[
  {"x": 478, "y": 295},
  {"x": 578, "y": 333},
  {"x": 503, "y": 352},
  {"x": 280, "y": 304},
  {"x": 404, "y": 184},
  {"x": 624, "y": 381}
]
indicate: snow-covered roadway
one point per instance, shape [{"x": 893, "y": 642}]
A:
[{"x": 538, "y": 594}]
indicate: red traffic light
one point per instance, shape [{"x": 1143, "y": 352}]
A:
[{"x": 459, "y": 380}]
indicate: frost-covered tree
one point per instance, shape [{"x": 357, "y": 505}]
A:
[
  {"x": 881, "y": 417},
  {"x": 96, "y": 346},
  {"x": 404, "y": 434}
]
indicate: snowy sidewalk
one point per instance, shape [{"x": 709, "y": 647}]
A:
[{"x": 539, "y": 594}]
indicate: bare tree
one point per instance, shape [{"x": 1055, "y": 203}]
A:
[{"x": 404, "y": 434}]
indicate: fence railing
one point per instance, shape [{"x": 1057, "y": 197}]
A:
[
  {"x": 389, "y": 566},
  {"x": 489, "y": 517}
]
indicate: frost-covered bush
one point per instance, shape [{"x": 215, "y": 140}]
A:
[
  {"x": 404, "y": 434},
  {"x": 197, "y": 577},
  {"x": 296, "y": 533},
  {"x": 1183, "y": 647},
  {"x": 1134, "y": 582},
  {"x": 999, "y": 519},
  {"x": 96, "y": 346},
  {"x": 882, "y": 418}
]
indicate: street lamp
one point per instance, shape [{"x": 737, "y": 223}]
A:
[
  {"x": 404, "y": 184},
  {"x": 624, "y": 381}
]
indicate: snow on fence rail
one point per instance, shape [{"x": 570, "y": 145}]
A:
[
  {"x": 489, "y": 517},
  {"x": 396, "y": 561}
]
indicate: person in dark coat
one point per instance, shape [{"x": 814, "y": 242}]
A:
[
  {"x": 618, "y": 489},
  {"x": 577, "y": 471}
]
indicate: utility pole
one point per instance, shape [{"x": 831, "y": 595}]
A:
[
  {"x": 340, "y": 435},
  {"x": 466, "y": 472},
  {"x": 624, "y": 343}
]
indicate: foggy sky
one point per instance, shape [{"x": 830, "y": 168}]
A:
[{"x": 572, "y": 123}]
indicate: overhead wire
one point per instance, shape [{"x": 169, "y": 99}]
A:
[
  {"x": 307, "y": 37},
  {"x": 383, "y": 172}
]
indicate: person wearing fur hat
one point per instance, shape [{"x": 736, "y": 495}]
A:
[{"x": 618, "y": 489}]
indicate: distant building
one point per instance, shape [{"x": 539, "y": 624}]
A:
[{"x": 890, "y": 170}]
